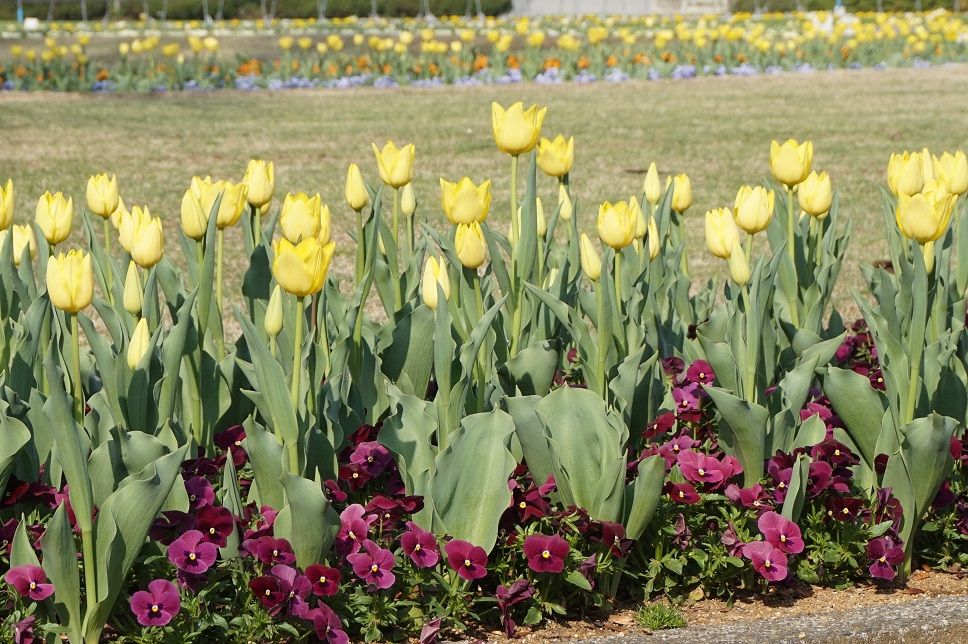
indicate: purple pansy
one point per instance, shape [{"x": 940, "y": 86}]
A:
[
  {"x": 546, "y": 553},
  {"x": 884, "y": 555},
  {"x": 157, "y": 605},
  {"x": 216, "y": 523},
  {"x": 30, "y": 581},
  {"x": 191, "y": 553},
  {"x": 700, "y": 468},
  {"x": 371, "y": 457},
  {"x": 420, "y": 546},
  {"x": 270, "y": 551},
  {"x": 770, "y": 562},
  {"x": 325, "y": 580},
  {"x": 373, "y": 565},
  {"x": 200, "y": 492},
  {"x": 468, "y": 560},
  {"x": 781, "y": 533}
]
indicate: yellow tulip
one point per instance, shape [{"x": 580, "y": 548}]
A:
[
  {"x": 651, "y": 186},
  {"x": 138, "y": 347},
  {"x": 395, "y": 164},
  {"x": 566, "y": 208},
  {"x": 130, "y": 223},
  {"x": 70, "y": 281},
  {"x": 924, "y": 216},
  {"x": 681, "y": 192},
  {"x": 815, "y": 194},
  {"x": 753, "y": 209},
  {"x": 591, "y": 261},
  {"x": 355, "y": 192},
  {"x": 233, "y": 203},
  {"x": 133, "y": 294},
  {"x": 148, "y": 241},
  {"x": 194, "y": 219},
  {"x": 927, "y": 165},
  {"x": 274, "y": 313},
  {"x": 285, "y": 42},
  {"x": 905, "y": 173},
  {"x": 541, "y": 224},
  {"x": 23, "y": 238},
  {"x": 300, "y": 217},
  {"x": 434, "y": 275},
  {"x": 6, "y": 205},
  {"x": 516, "y": 130},
  {"x": 641, "y": 224},
  {"x": 301, "y": 269},
  {"x": 739, "y": 265},
  {"x": 617, "y": 223},
  {"x": 118, "y": 214},
  {"x": 556, "y": 157},
  {"x": 102, "y": 195},
  {"x": 470, "y": 244},
  {"x": 463, "y": 202},
  {"x": 259, "y": 182},
  {"x": 953, "y": 170},
  {"x": 790, "y": 162},
  {"x": 54, "y": 216},
  {"x": 721, "y": 232},
  {"x": 408, "y": 201},
  {"x": 653, "y": 233}
]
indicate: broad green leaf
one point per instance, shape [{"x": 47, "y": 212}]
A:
[
  {"x": 742, "y": 432},
  {"x": 306, "y": 520},
  {"x": 642, "y": 495}
]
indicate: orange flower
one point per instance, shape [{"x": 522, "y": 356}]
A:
[
  {"x": 611, "y": 61},
  {"x": 513, "y": 62},
  {"x": 718, "y": 58},
  {"x": 480, "y": 62},
  {"x": 433, "y": 69},
  {"x": 584, "y": 63},
  {"x": 552, "y": 63},
  {"x": 387, "y": 68}
]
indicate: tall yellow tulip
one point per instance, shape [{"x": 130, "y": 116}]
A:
[
  {"x": 138, "y": 347},
  {"x": 953, "y": 170},
  {"x": 753, "y": 209},
  {"x": 55, "y": 215},
  {"x": 924, "y": 217},
  {"x": 651, "y": 187},
  {"x": 470, "y": 244},
  {"x": 653, "y": 239},
  {"x": 905, "y": 173},
  {"x": 259, "y": 180},
  {"x": 722, "y": 235},
  {"x": 681, "y": 192},
  {"x": 22, "y": 238},
  {"x": 133, "y": 293},
  {"x": 516, "y": 130},
  {"x": 300, "y": 217},
  {"x": 234, "y": 197},
  {"x": 434, "y": 275},
  {"x": 739, "y": 265},
  {"x": 408, "y": 201},
  {"x": 102, "y": 195},
  {"x": 301, "y": 269},
  {"x": 194, "y": 218},
  {"x": 790, "y": 162},
  {"x": 591, "y": 261},
  {"x": 464, "y": 202},
  {"x": 816, "y": 195},
  {"x": 148, "y": 238},
  {"x": 355, "y": 191},
  {"x": 617, "y": 223},
  {"x": 566, "y": 209},
  {"x": 556, "y": 156},
  {"x": 6, "y": 205},
  {"x": 131, "y": 222},
  {"x": 70, "y": 281},
  {"x": 395, "y": 164},
  {"x": 274, "y": 313}
]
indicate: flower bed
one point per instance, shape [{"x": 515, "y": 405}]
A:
[{"x": 529, "y": 429}]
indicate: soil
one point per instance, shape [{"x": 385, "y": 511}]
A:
[{"x": 800, "y": 600}]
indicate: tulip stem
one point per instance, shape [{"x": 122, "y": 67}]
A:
[
  {"x": 297, "y": 351},
  {"x": 90, "y": 564},
  {"x": 396, "y": 224},
  {"x": 76, "y": 372},
  {"x": 791, "y": 223},
  {"x": 219, "y": 244},
  {"x": 109, "y": 276},
  {"x": 256, "y": 225},
  {"x": 321, "y": 330},
  {"x": 618, "y": 279},
  {"x": 360, "y": 248},
  {"x": 602, "y": 341},
  {"x": 515, "y": 220}
]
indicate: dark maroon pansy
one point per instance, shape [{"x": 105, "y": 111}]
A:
[
  {"x": 270, "y": 551},
  {"x": 157, "y": 605},
  {"x": 23, "y": 631},
  {"x": 327, "y": 625},
  {"x": 545, "y": 553},
  {"x": 509, "y": 597},
  {"x": 170, "y": 525},
  {"x": 371, "y": 457},
  {"x": 468, "y": 560},
  {"x": 216, "y": 523},
  {"x": 701, "y": 373},
  {"x": 30, "y": 581},
  {"x": 682, "y": 493},
  {"x": 420, "y": 545},
  {"x": 230, "y": 440},
  {"x": 884, "y": 554},
  {"x": 663, "y": 424},
  {"x": 200, "y": 492},
  {"x": 191, "y": 553},
  {"x": 325, "y": 580},
  {"x": 7, "y": 532},
  {"x": 270, "y": 591}
]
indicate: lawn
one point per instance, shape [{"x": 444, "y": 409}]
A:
[{"x": 718, "y": 130}]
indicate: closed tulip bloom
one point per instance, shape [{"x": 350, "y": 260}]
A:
[
  {"x": 434, "y": 274},
  {"x": 681, "y": 192},
  {"x": 516, "y": 130},
  {"x": 924, "y": 217},
  {"x": 541, "y": 224},
  {"x": 790, "y": 162},
  {"x": 591, "y": 261},
  {"x": 617, "y": 223},
  {"x": 55, "y": 214},
  {"x": 470, "y": 244},
  {"x": 300, "y": 216},
  {"x": 259, "y": 182},
  {"x": 953, "y": 170},
  {"x": 6, "y": 205},
  {"x": 753, "y": 209},
  {"x": 131, "y": 222},
  {"x": 815, "y": 195},
  {"x": 325, "y": 225},
  {"x": 70, "y": 281},
  {"x": 464, "y": 202},
  {"x": 556, "y": 156},
  {"x": 905, "y": 173},
  {"x": 408, "y": 201},
  {"x": 133, "y": 294},
  {"x": 118, "y": 214},
  {"x": 148, "y": 242},
  {"x": 652, "y": 187},
  {"x": 641, "y": 223},
  {"x": 653, "y": 233},
  {"x": 927, "y": 165},
  {"x": 194, "y": 219},
  {"x": 395, "y": 164},
  {"x": 140, "y": 341},
  {"x": 23, "y": 238},
  {"x": 102, "y": 195},
  {"x": 739, "y": 266},
  {"x": 301, "y": 269},
  {"x": 274, "y": 313},
  {"x": 721, "y": 232},
  {"x": 233, "y": 203},
  {"x": 355, "y": 191},
  {"x": 567, "y": 208}
]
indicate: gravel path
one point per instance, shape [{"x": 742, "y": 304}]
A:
[{"x": 932, "y": 619}]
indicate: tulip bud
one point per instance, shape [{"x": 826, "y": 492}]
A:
[
  {"x": 816, "y": 195},
  {"x": 259, "y": 182},
  {"x": 653, "y": 233},
  {"x": 102, "y": 195},
  {"x": 470, "y": 244},
  {"x": 355, "y": 192},
  {"x": 739, "y": 266},
  {"x": 194, "y": 219},
  {"x": 395, "y": 164},
  {"x": 681, "y": 192},
  {"x": 591, "y": 261},
  {"x": 652, "y": 187},
  {"x": 641, "y": 225},
  {"x": 617, "y": 223},
  {"x": 233, "y": 202},
  {"x": 70, "y": 281},
  {"x": 566, "y": 207},
  {"x": 138, "y": 347},
  {"x": 274, "y": 313},
  {"x": 147, "y": 242},
  {"x": 516, "y": 130},
  {"x": 300, "y": 217},
  {"x": 22, "y": 238},
  {"x": 55, "y": 215},
  {"x": 790, "y": 162},
  {"x": 753, "y": 209},
  {"x": 463, "y": 202},
  {"x": 953, "y": 170},
  {"x": 119, "y": 213},
  {"x": 541, "y": 222},
  {"x": 434, "y": 274},
  {"x": 550, "y": 279},
  {"x": 721, "y": 232},
  {"x": 905, "y": 173},
  {"x": 408, "y": 202},
  {"x": 6, "y": 205},
  {"x": 133, "y": 295},
  {"x": 556, "y": 157}
]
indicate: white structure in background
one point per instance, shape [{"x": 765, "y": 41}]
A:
[{"x": 617, "y": 7}]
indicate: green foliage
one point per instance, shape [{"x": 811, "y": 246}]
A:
[{"x": 657, "y": 616}]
